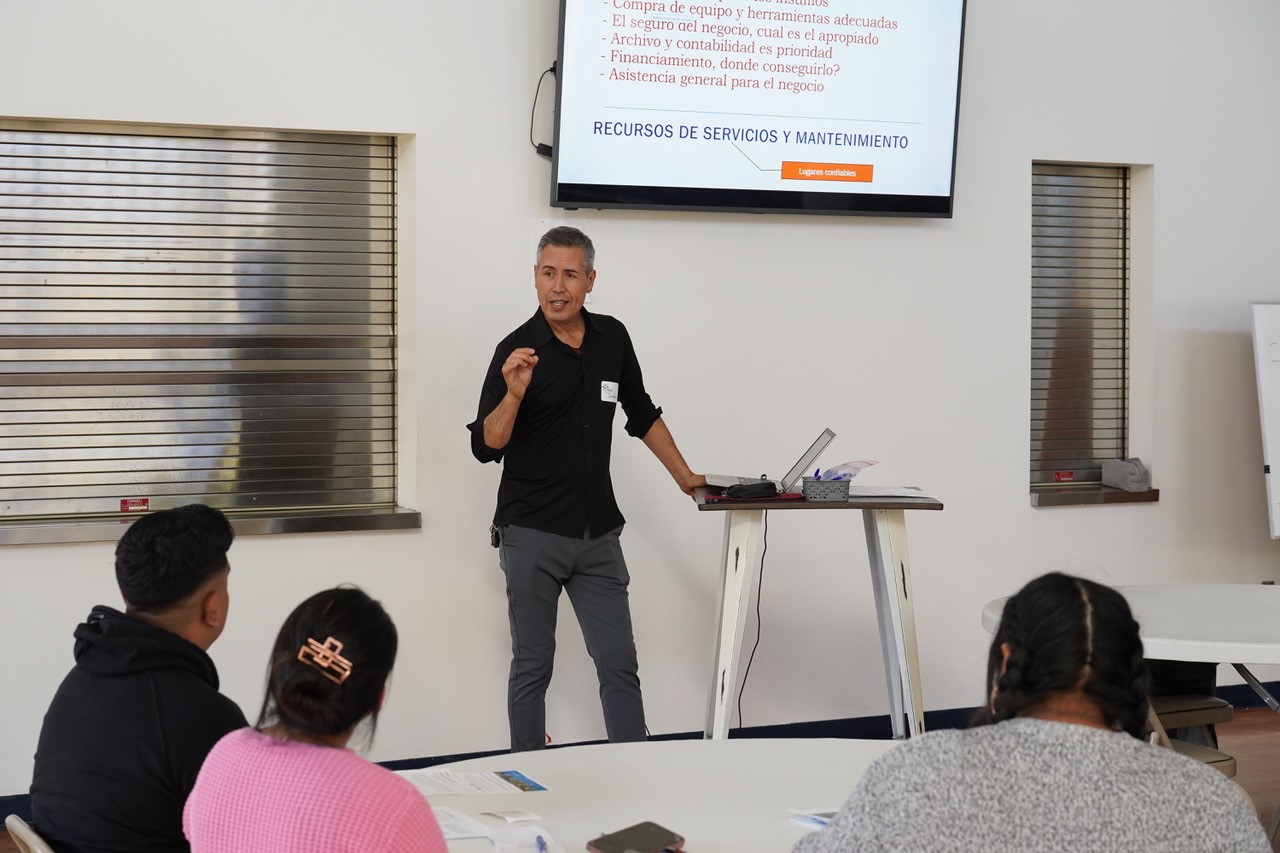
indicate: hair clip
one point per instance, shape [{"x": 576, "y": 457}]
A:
[{"x": 326, "y": 657}]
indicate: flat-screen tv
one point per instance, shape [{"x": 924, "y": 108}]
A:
[{"x": 788, "y": 106}]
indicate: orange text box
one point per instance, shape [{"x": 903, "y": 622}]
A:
[{"x": 794, "y": 171}]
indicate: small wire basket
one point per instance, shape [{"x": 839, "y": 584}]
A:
[{"x": 814, "y": 489}]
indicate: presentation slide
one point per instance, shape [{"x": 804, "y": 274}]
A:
[{"x": 834, "y": 96}]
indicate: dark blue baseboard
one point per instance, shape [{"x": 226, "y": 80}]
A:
[
  {"x": 19, "y": 804},
  {"x": 874, "y": 728},
  {"x": 869, "y": 728}
]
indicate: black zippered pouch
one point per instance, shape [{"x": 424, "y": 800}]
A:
[{"x": 764, "y": 489}]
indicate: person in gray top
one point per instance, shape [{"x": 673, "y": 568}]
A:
[{"x": 1056, "y": 761}]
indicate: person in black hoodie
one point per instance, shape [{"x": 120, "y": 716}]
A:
[{"x": 131, "y": 723}]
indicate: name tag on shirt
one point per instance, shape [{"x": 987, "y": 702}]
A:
[{"x": 608, "y": 392}]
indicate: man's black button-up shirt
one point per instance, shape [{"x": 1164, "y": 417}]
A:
[{"x": 555, "y": 476}]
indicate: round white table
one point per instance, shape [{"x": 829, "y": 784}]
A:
[{"x": 723, "y": 796}]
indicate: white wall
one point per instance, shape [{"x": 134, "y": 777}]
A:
[{"x": 924, "y": 367}]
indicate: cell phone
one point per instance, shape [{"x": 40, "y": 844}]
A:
[{"x": 647, "y": 837}]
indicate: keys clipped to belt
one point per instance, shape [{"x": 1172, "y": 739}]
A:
[{"x": 493, "y": 536}]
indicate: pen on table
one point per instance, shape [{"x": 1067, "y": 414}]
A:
[{"x": 542, "y": 844}]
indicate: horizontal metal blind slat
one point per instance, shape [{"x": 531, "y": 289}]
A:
[
  {"x": 202, "y": 316},
  {"x": 1079, "y": 320}
]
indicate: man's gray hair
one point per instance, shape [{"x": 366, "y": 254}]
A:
[{"x": 567, "y": 236}]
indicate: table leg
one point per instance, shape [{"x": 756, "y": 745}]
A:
[
  {"x": 1257, "y": 686},
  {"x": 884, "y": 620},
  {"x": 891, "y": 580},
  {"x": 739, "y": 566},
  {"x": 1265, "y": 695},
  {"x": 1157, "y": 728}
]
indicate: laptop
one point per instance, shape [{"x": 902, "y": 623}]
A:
[{"x": 788, "y": 482}]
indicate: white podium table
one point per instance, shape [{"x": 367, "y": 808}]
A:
[
  {"x": 886, "y": 532},
  {"x": 725, "y": 796}
]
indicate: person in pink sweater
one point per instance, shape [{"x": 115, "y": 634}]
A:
[{"x": 291, "y": 784}]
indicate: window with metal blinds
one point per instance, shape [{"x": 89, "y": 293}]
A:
[
  {"x": 194, "y": 315},
  {"x": 1079, "y": 320}
]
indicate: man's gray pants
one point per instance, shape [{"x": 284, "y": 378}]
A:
[{"x": 538, "y": 565}]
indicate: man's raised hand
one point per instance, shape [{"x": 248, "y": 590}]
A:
[{"x": 517, "y": 370}]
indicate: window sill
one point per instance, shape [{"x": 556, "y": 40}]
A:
[
  {"x": 1089, "y": 494},
  {"x": 57, "y": 530}
]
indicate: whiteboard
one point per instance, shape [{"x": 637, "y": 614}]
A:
[{"x": 1266, "y": 354}]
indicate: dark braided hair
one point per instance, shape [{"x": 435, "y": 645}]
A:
[{"x": 1067, "y": 633}]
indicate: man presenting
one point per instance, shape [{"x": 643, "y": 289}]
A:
[{"x": 547, "y": 410}]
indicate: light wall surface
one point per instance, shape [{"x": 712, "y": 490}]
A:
[{"x": 908, "y": 337}]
